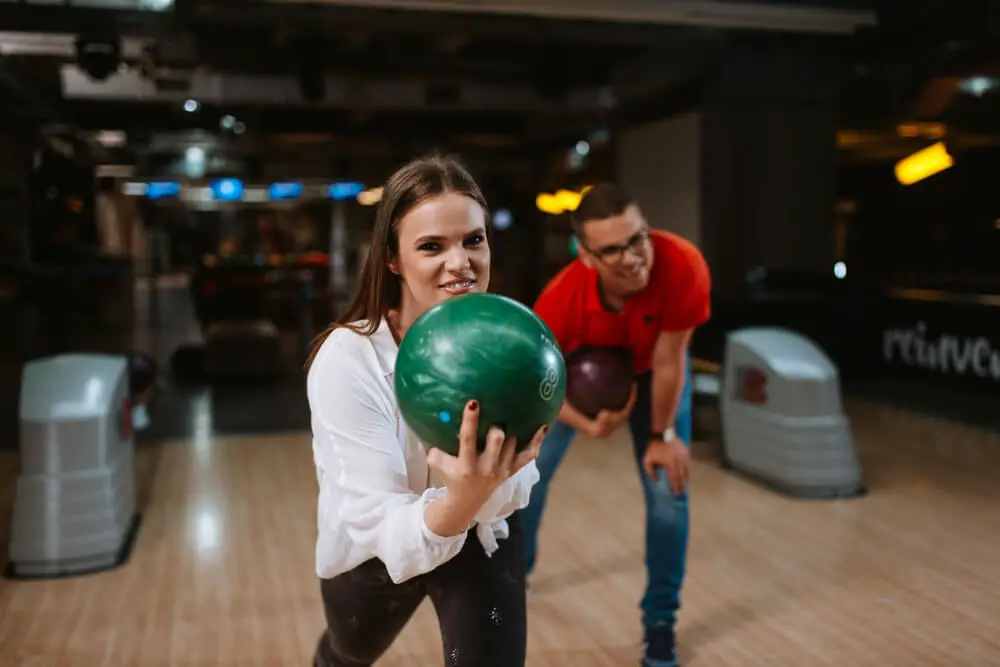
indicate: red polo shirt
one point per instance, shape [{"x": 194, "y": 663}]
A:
[{"x": 676, "y": 299}]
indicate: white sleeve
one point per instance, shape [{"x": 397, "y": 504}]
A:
[
  {"x": 362, "y": 453},
  {"x": 510, "y": 496}
]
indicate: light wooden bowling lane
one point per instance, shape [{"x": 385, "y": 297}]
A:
[{"x": 223, "y": 569}]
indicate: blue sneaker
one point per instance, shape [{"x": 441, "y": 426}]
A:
[{"x": 660, "y": 649}]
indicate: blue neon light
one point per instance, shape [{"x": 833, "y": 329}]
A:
[
  {"x": 162, "y": 189},
  {"x": 285, "y": 190},
  {"x": 342, "y": 191},
  {"x": 227, "y": 189}
]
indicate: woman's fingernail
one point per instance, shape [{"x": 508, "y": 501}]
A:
[{"x": 474, "y": 405}]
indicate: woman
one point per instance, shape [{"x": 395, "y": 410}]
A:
[{"x": 395, "y": 517}]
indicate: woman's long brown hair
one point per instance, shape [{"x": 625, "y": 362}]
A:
[{"x": 380, "y": 290}]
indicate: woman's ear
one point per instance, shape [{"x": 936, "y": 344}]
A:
[{"x": 392, "y": 263}]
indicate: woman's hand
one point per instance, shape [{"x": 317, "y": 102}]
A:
[{"x": 471, "y": 477}]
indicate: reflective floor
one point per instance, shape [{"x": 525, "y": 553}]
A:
[
  {"x": 227, "y": 408},
  {"x": 222, "y": 572}
]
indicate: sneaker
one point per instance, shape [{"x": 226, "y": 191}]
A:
[{"x": 660, "y": 649}]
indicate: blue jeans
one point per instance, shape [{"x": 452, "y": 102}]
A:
[{"x": 666, "y": 514}]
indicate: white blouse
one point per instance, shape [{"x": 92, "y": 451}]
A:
[{"x": 374, "y": 481}]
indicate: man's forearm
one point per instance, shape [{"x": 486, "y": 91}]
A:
[
  {"x": 573, "y": 417},
  {"x": 668, "y": 387}
]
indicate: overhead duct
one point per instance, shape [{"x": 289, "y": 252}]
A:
[
  {"x": 666, "y": 66},
  {"x": 340, "y": 92},
  {"x": 309, "y": 69},
  {"x": 120, "y": 5},
  {"x": 58, "y": 44},
  {"x": 706, "y": 13}
]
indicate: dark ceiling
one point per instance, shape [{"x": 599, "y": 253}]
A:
[
  {"x": 930, "y": 71},
  {"x": 326, "y": 77},
  {"x": 403, "y": 78}
]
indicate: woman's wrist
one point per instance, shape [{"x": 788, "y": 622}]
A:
[{"x": 451, "y": 514}]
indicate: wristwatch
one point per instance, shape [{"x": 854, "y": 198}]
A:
[{"x": 668, "y": 435}]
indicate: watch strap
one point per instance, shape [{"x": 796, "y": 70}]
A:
[{"x": 667, "y": 435}]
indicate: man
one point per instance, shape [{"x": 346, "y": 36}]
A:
[{"x": 645, "y": 290}]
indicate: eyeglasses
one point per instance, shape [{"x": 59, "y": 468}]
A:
[{"x": 614, "y": 254}]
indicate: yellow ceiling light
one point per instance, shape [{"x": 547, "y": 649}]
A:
[
  {"x": 547, "y": 203},
  {"x": 563, "y": 201},
  {"x": 370, "y": 197},
  {"x": 925, "y": 130},
  {"x": 568, "y": 199},
  {"x": 853, "y": 138},
  {"x": 923, "y": 164}
]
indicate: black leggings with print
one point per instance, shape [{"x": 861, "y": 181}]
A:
[{"x": 479, "y": 600}]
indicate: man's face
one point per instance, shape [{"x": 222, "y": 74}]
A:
[{"x": 618, "y": 248}]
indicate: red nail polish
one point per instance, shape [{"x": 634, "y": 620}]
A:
[{"x": 474, "y": 405}]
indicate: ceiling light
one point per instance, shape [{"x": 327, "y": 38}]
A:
[{"x": 978, "y": 85}]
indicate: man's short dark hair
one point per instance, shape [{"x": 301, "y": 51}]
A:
[{"x": 604, "y": 200}]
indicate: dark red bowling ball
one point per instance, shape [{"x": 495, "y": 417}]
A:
[{"x": 599, "y": 378}]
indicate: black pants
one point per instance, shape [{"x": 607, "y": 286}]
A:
[{"x": 479, "y": 602}]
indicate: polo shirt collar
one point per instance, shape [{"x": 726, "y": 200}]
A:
[{"x": 592, "y": 296}]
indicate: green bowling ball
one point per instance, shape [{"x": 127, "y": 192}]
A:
[{"x": 482, "y": 347}]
